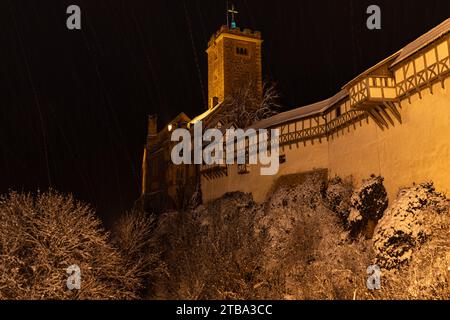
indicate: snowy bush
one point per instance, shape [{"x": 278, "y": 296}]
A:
[
  {"x": 408, "y": 224},
  {"x": 367, "y": 206},
  {"x": 337, "y": 195},
  {"x": 294, "y": 247},
  {"x": 291, "y": 247},
  {"x": 308, "y": 248},
  {"x": 412, "y": 244},
  {"x": 40, "y": 237},
  {"x": 133, "y": 235},
  {"x": 211, "y": 252}
]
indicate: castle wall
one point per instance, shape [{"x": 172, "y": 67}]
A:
[
  {"x": 415, "y": 151},
  {"x": 353, "y": 152},
  {"x": 420, "y": 149},
  {"x": 301, "y": 158}
]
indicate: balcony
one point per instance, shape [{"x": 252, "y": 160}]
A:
[
  {"x": 372, "y": 90},
  {"x": 377, "y": 95}
]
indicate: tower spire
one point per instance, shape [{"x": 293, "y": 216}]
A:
[{"x": 233, "y": 12}]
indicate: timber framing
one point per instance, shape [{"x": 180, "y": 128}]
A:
[
  {"x": 376, "y": 94},
  {"x": 214, "y": 171}
]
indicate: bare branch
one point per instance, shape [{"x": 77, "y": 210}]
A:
[{"x": 243, "y": 108}]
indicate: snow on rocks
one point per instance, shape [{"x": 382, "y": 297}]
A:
[
  {"x": 367, "y": 206},
  {"x": 408, "y": 224},
  {"x": 358, "y": 210}
]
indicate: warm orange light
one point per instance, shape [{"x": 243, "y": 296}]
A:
[{"x": 169, "y": 127}]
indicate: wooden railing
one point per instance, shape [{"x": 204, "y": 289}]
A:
[
  {"x": 303, "y": 135},
  {"x": 323, "y": 130},
  {"x": 345, "y": 120}
]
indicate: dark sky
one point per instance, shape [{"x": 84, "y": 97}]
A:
[{"x": 74, "y": 104}]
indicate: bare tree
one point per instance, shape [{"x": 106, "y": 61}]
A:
[
  {"x": 132, "y": 235},
  {"x": 243, "y": 108},
  {"x": 42, "y": 235}
]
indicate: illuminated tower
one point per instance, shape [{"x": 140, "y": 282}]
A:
[{"x": 234, "y": 62}]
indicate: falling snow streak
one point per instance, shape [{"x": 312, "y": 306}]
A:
[
  {"x": 35, "y": 95},
  {"x": 194, "y": 50},
  {"x": 96, "y": 57},
  {"x": 201, "y": 19},
  {"x": 149, "y": 62},
  {"x": 75, "y": 103}
]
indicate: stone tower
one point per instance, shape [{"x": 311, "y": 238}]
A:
[{"x": 234, "y": 61}]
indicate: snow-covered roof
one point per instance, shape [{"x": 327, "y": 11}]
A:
[
  {"x": 408, "y": 50},
  {"x": 423, "y": 41},
  {"x": 322, "y": 106},
  {"x": 380, "y": 64},
  {"x": 302, "y": 112},
  {"x": 205, "y": 114}
]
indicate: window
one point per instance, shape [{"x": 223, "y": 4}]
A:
[
  {"x": 338, "y": 112},
  {"x": 282, "y": 158},
  {"x": 241, "y": 51}
]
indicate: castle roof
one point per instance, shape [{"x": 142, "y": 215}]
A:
[
  {"x": 205, "y": 115},
  {"x": 423, "y": 41},
  {"x": 408, "y": 50},
  {"x": 320, "y": 107},
  {"x": 324, "y": 105},
  {"x": 376, "y": 67},
  {"x": 302, "y": 112}
]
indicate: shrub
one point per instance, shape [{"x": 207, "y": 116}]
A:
[
  {"x": 412, "y": 244},
  {"x": 133, "y": 235},
  {"x": 308, "y": 248},
  {"x": 291, "y": 247},
  {"x": 41, "y": 236},
  {"x": 337, "y": 196},
  {"x": 212, "y": 252},
  {"x": 409, "y": 223}
]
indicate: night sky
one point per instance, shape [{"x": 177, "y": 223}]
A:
[{"x": 74, "y": 104}]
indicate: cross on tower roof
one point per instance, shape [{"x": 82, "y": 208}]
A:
[{"x": 233, "y": 11}]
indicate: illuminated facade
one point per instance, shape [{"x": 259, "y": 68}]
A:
[
  {"x": 392, "y": 120},
  {"x": 234, "y": 61}
]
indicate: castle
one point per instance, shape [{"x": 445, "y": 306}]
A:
[{"x": 392, "y": 120}]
